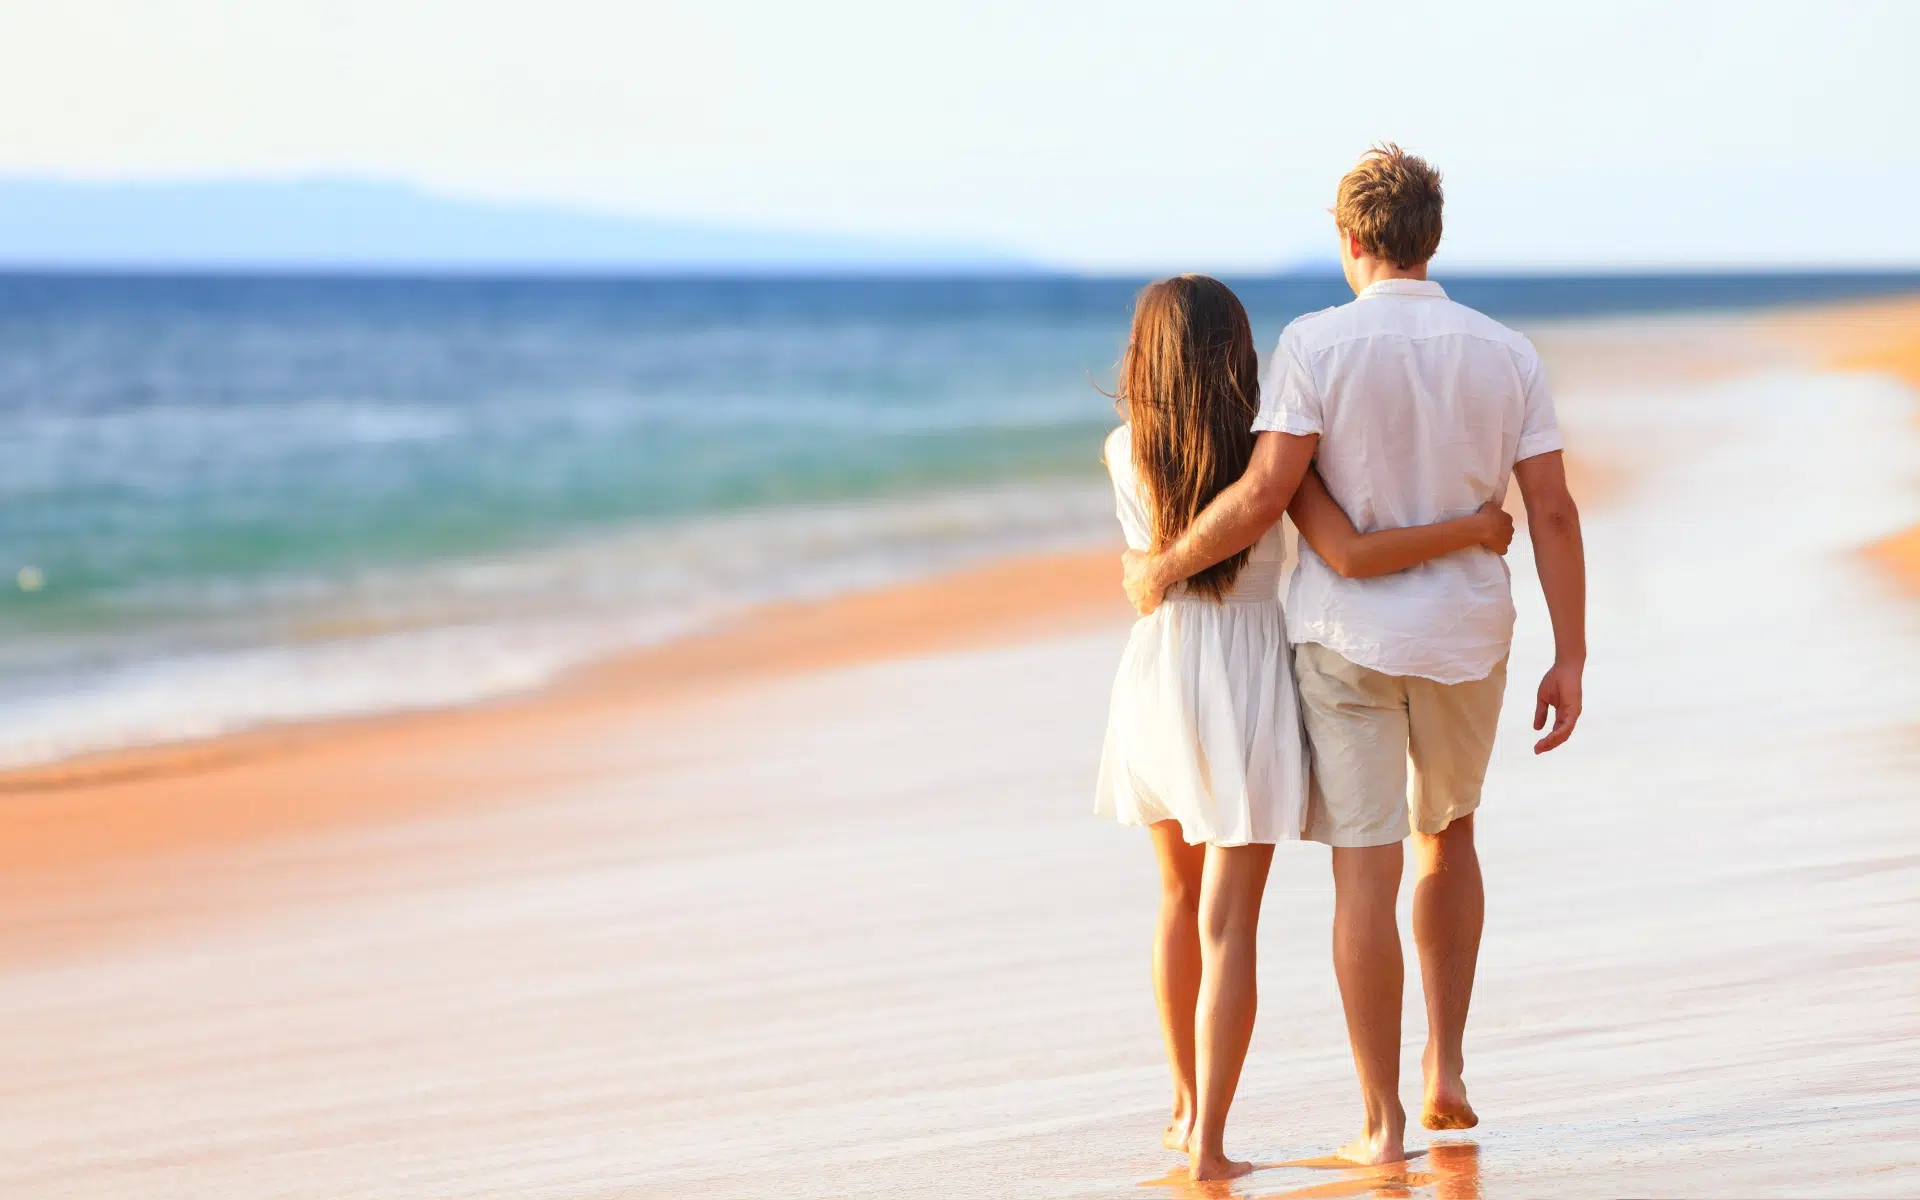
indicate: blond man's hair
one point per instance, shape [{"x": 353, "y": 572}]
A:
[{"x": 1390, "y": 204}]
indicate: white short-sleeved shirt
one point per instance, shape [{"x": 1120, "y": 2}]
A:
[{"x": 1422, "y": 406}]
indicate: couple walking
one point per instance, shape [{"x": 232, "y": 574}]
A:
[{"x": 1362, "y": 714}]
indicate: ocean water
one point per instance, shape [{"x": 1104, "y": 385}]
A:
[{"x": 234, "y": 500}]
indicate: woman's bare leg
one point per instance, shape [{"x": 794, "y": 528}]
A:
[
  {"x": 1230, "y": 889},
  {"x": 1176, "y": 967}
]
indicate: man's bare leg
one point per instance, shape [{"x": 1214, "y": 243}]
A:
[
  {"x": 1176, "y": 967},
  {"x": 1366, "y": 960},
  {"x": 1231, "y": 886},
  {"x": 1449, "y": 908}
]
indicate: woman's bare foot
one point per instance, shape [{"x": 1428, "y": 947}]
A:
[
  {"x": 1445, "y": 1105},
  {"x": 1207, "y": 1168}
]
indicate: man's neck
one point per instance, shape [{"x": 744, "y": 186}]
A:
[{"x": 1371, "y": 271}]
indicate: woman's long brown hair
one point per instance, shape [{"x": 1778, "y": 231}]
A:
[{"x": 1190, "y": 387}]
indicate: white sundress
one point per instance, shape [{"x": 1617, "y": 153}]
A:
[{"x": 1204, "y": 726}]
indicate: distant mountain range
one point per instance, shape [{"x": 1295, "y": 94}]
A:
[{"x": 362, "y": 224}]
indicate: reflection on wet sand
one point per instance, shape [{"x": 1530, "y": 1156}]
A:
[
  {"x": 1451, "y": 1169},
  {"x": 1457, "y": 1164},
  {"x": 1182, "y": 1186}
]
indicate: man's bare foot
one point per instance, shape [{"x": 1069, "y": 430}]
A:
[
  {"x": 1177, "y": 1134},
  {"x": 1206, "y": 1168},
  {"x": 1375, "y": 1149},
  {"x": 1445, "y": 1105}
]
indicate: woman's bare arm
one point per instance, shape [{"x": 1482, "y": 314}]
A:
[{"x": 1357, "y": 555}]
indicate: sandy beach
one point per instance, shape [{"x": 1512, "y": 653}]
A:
[{"x": 812, "y": 904}]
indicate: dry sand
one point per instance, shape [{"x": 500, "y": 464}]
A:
[{"x": 811, "y": 906}]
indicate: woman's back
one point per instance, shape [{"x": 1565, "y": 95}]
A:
[
  {"x": 1204, "y": 727},
  {"x": 1258, "y": 581}
]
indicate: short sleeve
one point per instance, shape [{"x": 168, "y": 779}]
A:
[
  {"x": 1539, "y": 427},
  {"x": 1289, "y": 399}
]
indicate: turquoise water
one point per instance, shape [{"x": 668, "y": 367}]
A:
[
  {"x": 174, "y": 436},
  {"x": 237, "y": 499}
]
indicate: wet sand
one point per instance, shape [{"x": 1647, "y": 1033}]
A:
[{"x": 812, "y": 906}]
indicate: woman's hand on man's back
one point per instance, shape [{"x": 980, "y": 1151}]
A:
[{"x": 1499, "y": 534}]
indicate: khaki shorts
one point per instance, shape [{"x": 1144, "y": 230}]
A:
[{"x": 1363, "y": 728}]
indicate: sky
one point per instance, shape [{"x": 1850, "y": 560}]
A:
[{"x": 1105, "y": 136}]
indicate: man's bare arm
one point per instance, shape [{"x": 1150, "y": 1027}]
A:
[
  {"x": 1553, "y": 524},
  {"x": 1235, "y": 520}
]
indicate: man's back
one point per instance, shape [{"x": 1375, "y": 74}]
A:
[{"x": 1422, "y": 407}]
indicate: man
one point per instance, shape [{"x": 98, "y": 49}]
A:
[{"x": 1414, "y": 409}]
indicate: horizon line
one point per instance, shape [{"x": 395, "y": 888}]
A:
[{"x": 881, "y": 271}]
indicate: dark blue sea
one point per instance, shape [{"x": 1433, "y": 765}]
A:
[{"x": 229, "y": 500}]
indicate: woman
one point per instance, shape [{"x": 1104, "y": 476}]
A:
[{"x": 1203, "y": 739}]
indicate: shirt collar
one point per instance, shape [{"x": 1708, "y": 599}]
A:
[{"x": 1425, "y": 288}]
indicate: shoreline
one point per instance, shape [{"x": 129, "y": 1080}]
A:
[
  {"x": 1013, "y": 596},
  {"x": 194, "y": 794}
]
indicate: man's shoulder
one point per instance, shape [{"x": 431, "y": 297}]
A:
[
  {"x": 1311, "y": 330},
  {"x": 1344, "y": 324},
  {"x": 1477, "y": 324},
  {"x": 1306, "y": 322}
]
